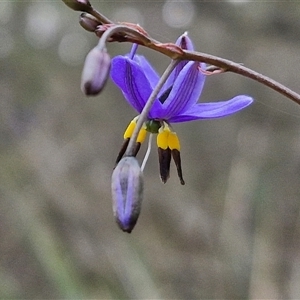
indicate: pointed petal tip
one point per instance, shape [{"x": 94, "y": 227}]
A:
[
  {"x": 214, "y": 110},
  {"x": 247, "y": 100},
  {"x": 126, "y": 225},
  {"x": 240, "y": 102},
  {"x": 185, "y": 42}
]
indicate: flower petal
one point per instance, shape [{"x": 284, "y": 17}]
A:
[
  {"x": 150, "y": 73},
  {"x": 185, "y": 43},
  {"x": 186, "y": 91},
  {"x": 213, "y": 110},
  {"x": 131, "y": 79}
]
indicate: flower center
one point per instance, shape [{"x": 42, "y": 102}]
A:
[{"x": 153, "y": 126}]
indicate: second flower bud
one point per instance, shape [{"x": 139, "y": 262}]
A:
[{"x": 95, "y": 71}]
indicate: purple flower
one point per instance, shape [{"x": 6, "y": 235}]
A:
[{"x": 176, "y": 102}]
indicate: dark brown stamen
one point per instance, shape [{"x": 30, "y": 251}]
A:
[
  {"x": 164, "y": 158},
  {"x": 136, "y": 149},
  {"x": 177, "y": 160},
  {"x": 122, "y": 151},
  {"x": 124, "y": 148}
]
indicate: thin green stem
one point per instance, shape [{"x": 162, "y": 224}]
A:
[{"x": 143, "y": 116}]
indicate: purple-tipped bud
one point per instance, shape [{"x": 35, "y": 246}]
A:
[
  {"x": 88, "y": 22},
  {"x": 184, "y": 42},
  {"x": 95, "y": 72},
  {"x": 127, "y": 192},
  {"x": 80, "y": 5}
]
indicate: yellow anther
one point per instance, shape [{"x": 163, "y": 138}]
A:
[
  {"x": 162, "y": 138},
  {"x": 129, "y": 130},
  {"x": 142, "y": 135},
  {"x": 173, "y": 141}
]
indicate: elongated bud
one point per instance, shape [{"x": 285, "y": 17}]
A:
[
  {"x": 80, "y": 5},
  {"x": 127, "y": 192},
  {"x": 88, "y": 22},
  {"x": 95, "y": 71}
]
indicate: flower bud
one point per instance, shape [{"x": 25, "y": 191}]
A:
[
  {"x": 80, "y": 5},
  {"x": 127, "y": 192},
  {"x": 95, "y": 71},
  {"x": 88, "y": 22}
]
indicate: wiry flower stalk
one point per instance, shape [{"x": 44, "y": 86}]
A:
[{"x": 219, "y": 64}]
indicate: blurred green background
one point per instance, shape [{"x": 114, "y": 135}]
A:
[{"x": 232, "y": 232}]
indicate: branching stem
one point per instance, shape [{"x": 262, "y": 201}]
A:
[{"x": 128, "y": 33}]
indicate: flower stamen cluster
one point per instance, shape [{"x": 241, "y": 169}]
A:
[{"x": 167, "y": 142}]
